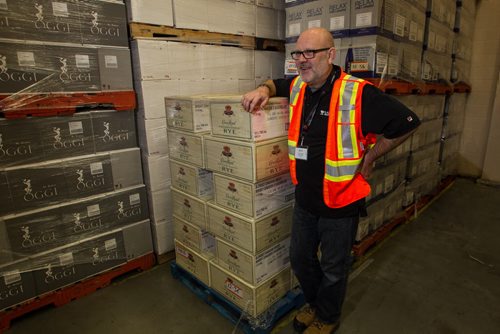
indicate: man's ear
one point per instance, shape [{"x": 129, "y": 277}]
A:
[{"x": 332, "y": 52}]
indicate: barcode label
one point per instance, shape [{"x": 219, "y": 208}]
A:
[
  {"x": 26, "y": 59},
  {"x": 75, "y": 128},
  {"x": 60, "y": 9}
]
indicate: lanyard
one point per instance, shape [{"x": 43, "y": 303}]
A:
[{"x": 306, "y": 123}]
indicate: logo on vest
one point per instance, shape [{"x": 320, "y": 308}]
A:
[
  {"x": 324, "y": 113},
  {"x": 98, "y": 29},
  {"x": 41, "y": 24},
  {"x": 30, "y": 195}
]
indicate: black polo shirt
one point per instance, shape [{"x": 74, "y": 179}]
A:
[{"x": 380, "y": 114}]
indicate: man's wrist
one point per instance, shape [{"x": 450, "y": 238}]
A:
[{"x": 265, "y": 85}]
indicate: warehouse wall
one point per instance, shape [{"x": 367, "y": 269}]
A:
[
  {"x": 491, "y": 171},
  {"x": 479, "y": 140}
]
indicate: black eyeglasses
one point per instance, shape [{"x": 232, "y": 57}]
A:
[{"x": 308, "y": 54}]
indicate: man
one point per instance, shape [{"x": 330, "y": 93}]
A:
[{"x": 334, "y": 118}]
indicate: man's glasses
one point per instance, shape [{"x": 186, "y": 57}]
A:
[{"x": 308, "y": 54}]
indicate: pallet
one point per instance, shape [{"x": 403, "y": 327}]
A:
[
  {"x": 431, "y": 88},
  {"x": 166, "y": 257},
  {"x": 263, "y": 324},
  {"x": 461, "y": 87},
  {"x": 54, "y": 104},
  {"x": 391, "y": 86},
  {"x": 361, "y": 248},
  {"x": 141, "y": 30},
  {"x": 377, "y": 236},
  {"x": 75, "y": 291}
]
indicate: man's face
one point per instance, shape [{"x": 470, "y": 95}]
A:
[{"x": 314, "y": 71}]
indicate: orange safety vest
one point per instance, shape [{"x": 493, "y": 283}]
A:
[{"x": 345, "y": 142}]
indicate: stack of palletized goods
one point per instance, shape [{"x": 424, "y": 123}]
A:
[
  {"x": 70, "y": 209},
  {"x": 251, "y": 213},
  {"x": 374, "y": 39},
  {"x": 213, "y": 51},
  {"x": 423, "y": 169},
  {"x": 60, "y": 56}
]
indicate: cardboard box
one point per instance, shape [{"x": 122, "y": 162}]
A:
[
  {"x": 113, "y": 130},
  {"x": 137, "y": 239},
  {"x": 189, "y": 208},
  {"x": 20, "y": 142},
  {"x": 254, "y": 199},
  {"x": 67, "y": 136},
  {"x": 151, "y": 93},
  {"x": 194, "y": 262},
  {"x": 103, "y": 23},
  {"x": 163, "y": 236},
  {"x": 156, "y": 171},
  {"x": 191, "y": 14},
  {"x": 337, "y": 17},
  {"x": 251, "y": 235},
  {"x": 186, "y": 147},
  {"x": 193, "y": 236},
  {"x": 253, "y": 300},
  {"x": 191, "y": 179},
  {"x": 269, "y": 23},
  {"x": 188, "y": 113},
  {"x": 156, "y": 12},
  {"x": 115, "y": 68},
  {"x": 16, "y": 283},
  {"x": 269, "y": 65},
  {"x": 230, "y": 120},
  {"x": 41, "y": 230},
  {"x": 231, "y": 17},
  {"x": 253, "y": 269},
  {"x": 153, "y": 135},
  {"x": 166, "y": 60},
  {"x": 42, "y": 20},
  {"x": 251, "y": 162},
  {"x": 160, "y": 205},
  {"x": 371, "y": 56}
]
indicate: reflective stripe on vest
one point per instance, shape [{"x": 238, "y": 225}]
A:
[{"x": 297, "y": 85}]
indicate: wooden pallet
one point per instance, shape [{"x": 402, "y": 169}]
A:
[
  {"x": 264, "y": 324},
  {"x": 166, "y": 257},
  {"x": 379, "y": 235},
  {"x": 75, "y": 291},
  {"x": 461, "y": 87},
  {"x": 141, "y": 30},
  {"x": 54, "y": 104}
]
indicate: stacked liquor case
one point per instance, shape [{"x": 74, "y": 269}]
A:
[{"x": 249, "y": 213}]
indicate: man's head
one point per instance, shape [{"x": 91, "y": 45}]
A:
[{"x": 315, "y": 71}]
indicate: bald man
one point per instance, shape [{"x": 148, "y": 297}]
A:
[{"x": 334, "y": 120}]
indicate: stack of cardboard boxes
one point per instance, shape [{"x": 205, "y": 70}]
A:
[
  {"x": 64, "y": 48},
  {"x": 165, "y": 68},
  {"x": 69, "y": 208},
  {"x": 249, "y": 209}
]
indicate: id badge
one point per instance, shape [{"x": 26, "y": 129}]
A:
[{"x": 301, "y": 153}]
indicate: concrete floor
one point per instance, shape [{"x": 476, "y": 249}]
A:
[{"x": 437, "y": 274}]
